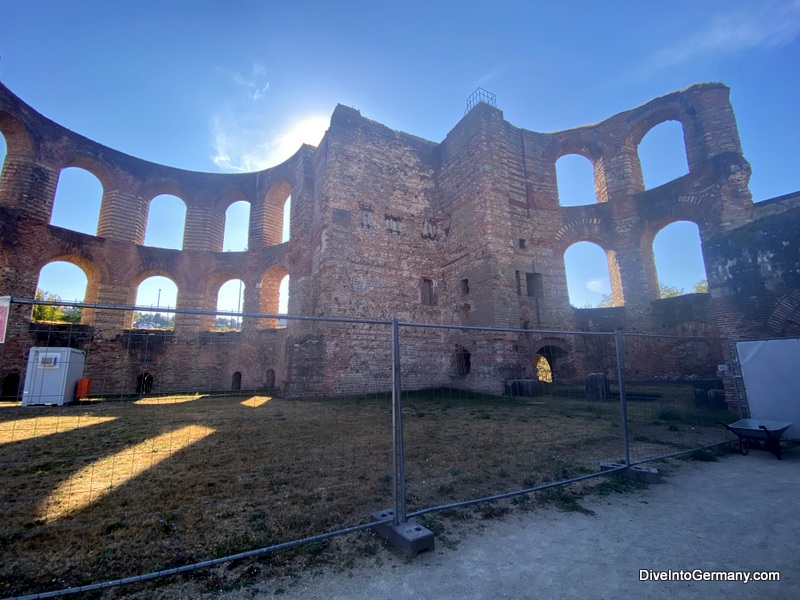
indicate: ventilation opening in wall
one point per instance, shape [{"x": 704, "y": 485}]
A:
[
  {"x": 465, "y": 286},
  {"x": 463, "y": 362}
]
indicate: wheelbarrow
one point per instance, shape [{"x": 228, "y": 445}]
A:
[{"x": 758, "y": 430}]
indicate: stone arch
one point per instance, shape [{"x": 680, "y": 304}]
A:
[
  {"x": 235, "y": 228},
  {"x": 784, "y": 320},
  {"x": 556, "y": 352},
  {"x": 213, "y": 283},
  {"x": 612, "y": 268},
  {"x": 93, "y": 279},
  {"x": 647, "y": 117},
  {"x": 269, "y": 379},
  {"x": 158, "y": 237},
  {"x": 649, "y": 234},
  {"x": 584, "y": 142},
  {"x": 268, "y": 297},
  {"x": 662, "y": 154},
  {"x": 574, "y": 178},
  {"x": 72, "y": 205},
  {"x": 3, "y": 153},
  {"x": 97, "y": 167},
  {"x": 266, "y": 223},
  {"x": 19, "y": 141},
  {"x": 163, "y": 303}
]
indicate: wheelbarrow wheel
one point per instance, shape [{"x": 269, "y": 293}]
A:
[{"x": 744, "y": 445}]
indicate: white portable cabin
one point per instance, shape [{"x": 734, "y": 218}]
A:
[{"x": 52, "y": 375}]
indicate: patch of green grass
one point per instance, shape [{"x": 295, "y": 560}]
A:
[
  {"x": 619, "y": 484},
  {"x": 562, "y": 499}
]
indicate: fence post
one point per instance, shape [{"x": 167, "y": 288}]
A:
[
  {"x": 622, "y": 397},
  {"x": 406, "y": 535},
  {"x": 398, "y": 449}
]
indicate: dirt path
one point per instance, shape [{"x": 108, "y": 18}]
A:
[{"x": 737, "y": 514}]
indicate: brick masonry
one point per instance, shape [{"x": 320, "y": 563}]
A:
[{"x": 467, "y": 231}]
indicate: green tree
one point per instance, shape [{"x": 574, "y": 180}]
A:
[
  {"x": 701, "y": 287},
  {"x": 669, "y": 291},
  {"x": 54, "y": 314},
  {"x": 46, "y": 312}
]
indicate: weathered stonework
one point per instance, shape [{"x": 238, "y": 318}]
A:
[{"x": 468, "y": 231}]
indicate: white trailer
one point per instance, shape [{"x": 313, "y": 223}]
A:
[{"x": 52, "y": 375}]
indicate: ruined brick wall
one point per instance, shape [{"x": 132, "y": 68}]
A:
[{"x": 468, "y": 231}]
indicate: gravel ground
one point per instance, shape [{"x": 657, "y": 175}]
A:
[{"x": 737, "y": 514}]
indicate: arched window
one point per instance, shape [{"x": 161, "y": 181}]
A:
[
  {"x": 679, "y": 260},
  {"x": 77, "y": 201},
  {"x": 462, "y": 361},
  {"x": 3, "y": 152},
  {"x": 283, "y": 296},
  {"x": 269, "y": 379},
  {"x": 60, "y": 281},
  {"x": 273, "y": 295},
  {"x": 544, "y": 371},
  {"x": 155, "y": 296},
  {"x": 286, "y": 232},
  {"x": 230, "y": 299},
  {"x": 237, "y": 227},
  {"x": 166, "y": 219},
  {"x": 662, "y": 154},
  {"x": 588, "y": 280},
  {"x": 575, "y": 175}
]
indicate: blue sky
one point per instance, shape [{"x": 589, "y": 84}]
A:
[{"x": 237, "y": 86}]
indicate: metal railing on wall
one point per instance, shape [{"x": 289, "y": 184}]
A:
[{"x": 389, "y": 418}]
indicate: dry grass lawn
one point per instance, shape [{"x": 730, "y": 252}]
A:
[{"x": 104, "y": 490}]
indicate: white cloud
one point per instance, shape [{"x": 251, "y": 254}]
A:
[
  {"x": 255, "y": 85},
  {"x": 243, "y": 142},
  {"x": 766, "y": 24},
  {"x": 598, "y": 286}
]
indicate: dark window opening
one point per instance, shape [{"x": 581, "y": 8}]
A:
[
  {"x": 465, "y": 286},
  {"x": 392, "y": 223},
  {"x": 522, "y": 243},
  {"x": 10, "y": 387},
  {"x": 366, "y": 216},
  {"x": 144, "y": 383},
  {"x": 430, "y": 230},
  {"x": 236, "y": 381},
  {"x": 270, "y": 379},
  {"x": 463, "y": 361},
  {"x": 427, "y": 292},
  {"x": 530, "y": 284}
]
